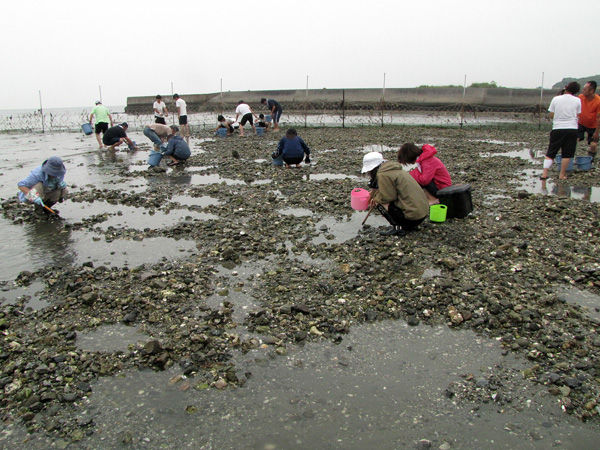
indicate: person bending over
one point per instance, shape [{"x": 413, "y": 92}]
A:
[
  {"x": 430, "y": 173},
  {"x": 177, "y": 148},
  {"x": 44, "y": 186},
  {"x": 291, "y": 150},
  {"x": 395, "y": 194}
]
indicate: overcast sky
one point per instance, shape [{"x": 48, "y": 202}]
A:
[{"x": 67, "y": 49}]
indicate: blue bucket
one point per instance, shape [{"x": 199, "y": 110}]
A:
[
  {"x": 260, "y": 131},
  {"x": 268, "y": 118},
  {"x": 583, "y": 162},
  {"x": 222, "y": 132},
  {"x": 154, "y": 158},
  {"x": 87, "y": 128},
  {"x": 558, "y": 160}
]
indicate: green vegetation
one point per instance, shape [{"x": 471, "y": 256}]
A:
[
  {"x": 562, "y": 83},
  {"x": 491, "y": 84}
]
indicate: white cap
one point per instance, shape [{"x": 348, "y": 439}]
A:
[{"x": 371, "y": 160}]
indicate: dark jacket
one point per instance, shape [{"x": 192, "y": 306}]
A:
[
  {"x": 292, "y": 148},
  {"x": 178, "y": 148}
]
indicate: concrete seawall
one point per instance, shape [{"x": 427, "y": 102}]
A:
[{"x": 426, "y": 98}]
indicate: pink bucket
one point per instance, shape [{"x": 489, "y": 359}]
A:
[{"x": 359, "y": 199}]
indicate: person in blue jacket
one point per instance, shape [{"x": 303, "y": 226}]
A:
[
  {"x": 177, "y": 149},
  {"x": 44, "y": 186},
  {"x": 291, "y": 150}
]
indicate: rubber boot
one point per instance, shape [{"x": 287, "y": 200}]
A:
[{"x": 395, "y": 230}]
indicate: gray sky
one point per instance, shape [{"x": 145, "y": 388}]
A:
[{"x": 67, "y": 48}]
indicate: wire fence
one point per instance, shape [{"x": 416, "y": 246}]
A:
[{"x": 313, "y": 114}]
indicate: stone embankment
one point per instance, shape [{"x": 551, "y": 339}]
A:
[{"x": 311, "y": 100}]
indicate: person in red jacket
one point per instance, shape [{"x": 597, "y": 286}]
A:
[{"x": 430, "y": 172}]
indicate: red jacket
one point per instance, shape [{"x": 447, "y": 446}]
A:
[{"x": 431, "y": 168}]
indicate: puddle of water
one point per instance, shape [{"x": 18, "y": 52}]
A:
[
  {"x": 297, "y": 212},
  {"x": 526, "y": 153},
  {"x": 382, "y": 388},
  {"x": 30, "y": 293},
  {"x": 496, "y": 141},
  {"x": 217, "y": 179},
  {"x": 41, "y": 244},
  {"x": 122, "y": 252},
  {"x": 238, "y": 277},
  {"x": 379, "y": 148},
  {"x": 109, "y": 338},
  {"x": 530, "y": 182},
  {"x": 340, "y": 231},
  {"x": 121, "y": 216},
  {"x": 329, "y": 176},
  {"x": 202, "y": 201},
  {"x": 589, "y": 301}
]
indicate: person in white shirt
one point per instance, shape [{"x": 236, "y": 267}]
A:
[
  {"x": 181, "y": 106},
  {"x": 160, "y": 110},
  {"x": 247, "y": 116},
  {"x": 564, "y": 112}
]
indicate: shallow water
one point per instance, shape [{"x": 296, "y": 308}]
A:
[
  {"x": 28, "y": 295},
  {"x": 383, "y": 387},
  {"x": 530, "y": 182},
  {"x": 110, "y": 338},
  {"x": 42, "y": 244},
  {"x": 338, "y": 231}
]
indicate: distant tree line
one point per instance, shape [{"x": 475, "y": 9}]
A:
[
  {"x": 491, "y": 84},
  {"x": 562, "y": 83}
]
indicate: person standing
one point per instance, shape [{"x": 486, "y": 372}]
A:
[
  {"x": 564, "y": 112},
  {"x": 160, "y": 110},
  {"x": 247, "y": 114},
  {"x": 395, "y": 194},
  {"x": 589, "y": 119},
  {"x": 44, "y": 186},
  {"x": 276, "y": 110},
  {"x": 103, "y": 118},
  {"x": 181, "y": 106}
]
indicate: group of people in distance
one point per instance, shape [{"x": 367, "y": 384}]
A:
[
  {"x": 247, "y": 115},
  {"x": 572, "y": 117},
  {"x": 404, "y": 198}
]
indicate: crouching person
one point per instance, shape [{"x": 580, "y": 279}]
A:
[
  {"x": 395, "y": 194},
  {"x": 44, "y": 186},
  {"x": 177, "y": 149},
  {"x": 291, "y": 150}
]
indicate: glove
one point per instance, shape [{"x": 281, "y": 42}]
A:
[
  {"x": 34, "y": 197},
  {"x": 307, "y": 160},
  {"x": 62, "y": 185}
]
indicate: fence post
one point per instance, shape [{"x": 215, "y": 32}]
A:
[
  {"x": 306, "y": 102},
  {"x": 382, "y": 100},
  {"x": 462, "y": 108},
  {"x": 541, "y": 103},
  {"x": 343, "y": 108},
  {"x": 42, "y": 112}
]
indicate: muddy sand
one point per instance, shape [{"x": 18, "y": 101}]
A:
[{"x": 230, "y": 304}]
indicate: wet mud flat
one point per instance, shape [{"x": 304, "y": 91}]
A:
[{"x": 200, "y": 295}]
